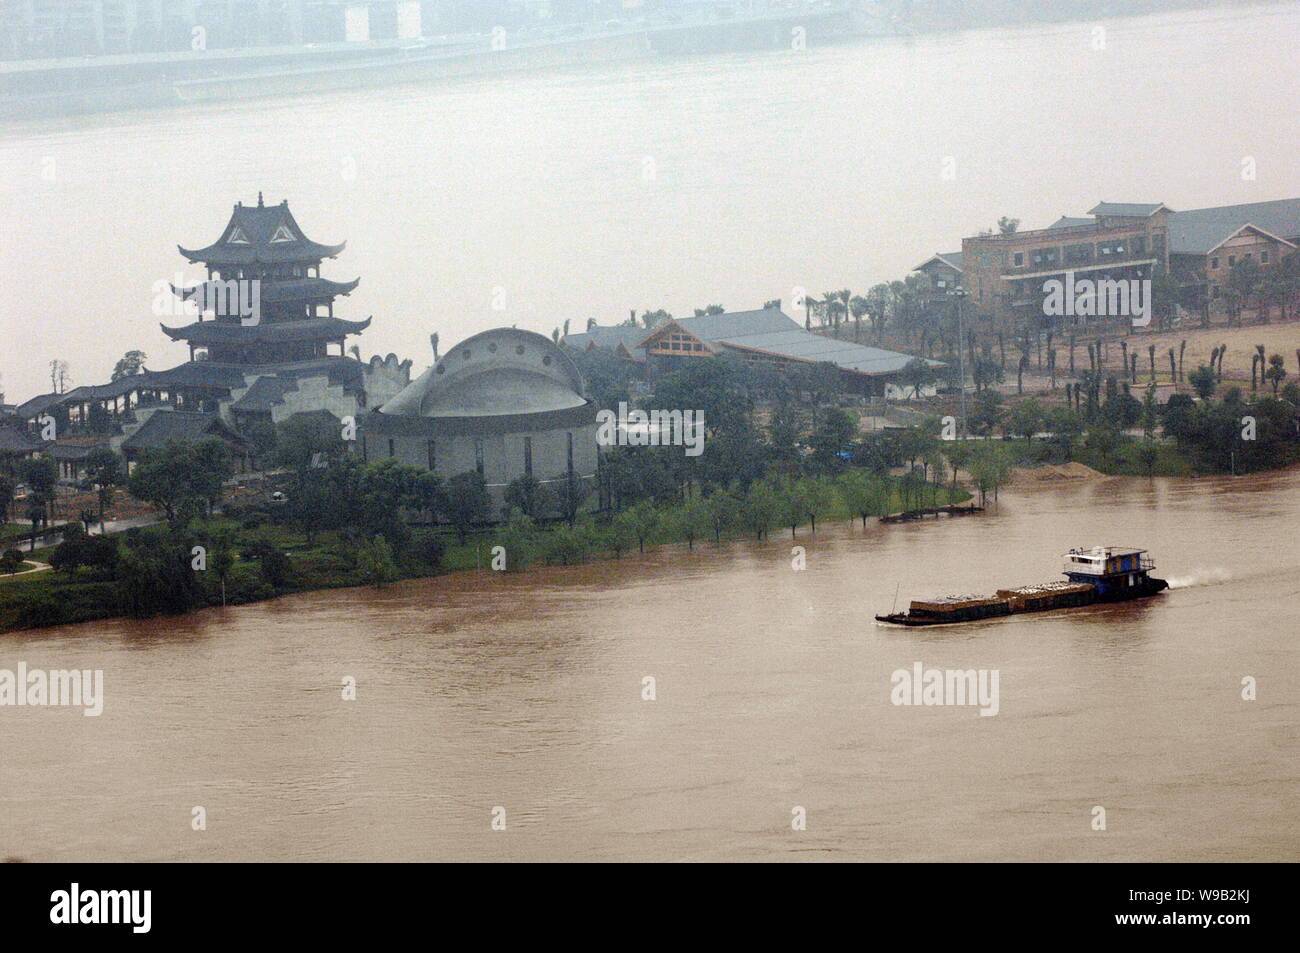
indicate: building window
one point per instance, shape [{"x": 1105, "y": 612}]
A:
[
  {"x": 431, "y": 459},
  {"x": 478, "y": 455},
  {"x": 1139, "y": 246},
  {"x": 1232, "y": 260},
  {"x": 528, "y": 456},
  {"x": 1214, "y": 262},
  {"x": 1020, "y": 258},
  {"x": 1263, "y": 257}
]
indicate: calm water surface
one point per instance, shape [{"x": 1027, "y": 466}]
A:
[
  {"x": 482, "y": 690},
  {"x": 530, "y": 199}
]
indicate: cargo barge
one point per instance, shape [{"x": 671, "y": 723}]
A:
[{"x": 1100, "y": 574}]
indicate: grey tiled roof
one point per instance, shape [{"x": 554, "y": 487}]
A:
[
  {"x": 608, "y": 337},
  {"x": 773, "y": 332},
  {"x": 1067, "y": 221},
  {"x": 201, "y": 333},
  {"x": 258, "y": 225},
  {"x": 1138, "y": 209},
  {"x": 164, "y": 426},
  {"x": 1197, "y": 231},
  {"x": 265, "y": 393},
  {"x": 15, "y": 441}
]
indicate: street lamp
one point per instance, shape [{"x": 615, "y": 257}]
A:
[{"x": 960, "y": 294}]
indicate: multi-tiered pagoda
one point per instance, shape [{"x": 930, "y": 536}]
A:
[{"x": 263, "y": 258}]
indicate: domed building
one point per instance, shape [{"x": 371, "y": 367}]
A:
[{"x": 505, "y": 403}]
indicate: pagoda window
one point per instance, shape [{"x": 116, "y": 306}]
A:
[
  {"x": 282, "y": 234},
  {"x": 237, "y": 237}
]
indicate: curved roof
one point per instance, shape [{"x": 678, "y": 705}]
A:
[
  {"x": 202, "y": 333},
  {"x": 504, "y": 371},
  {"x": 261, "y": 234},
  {"x": 290, "y": 289}
]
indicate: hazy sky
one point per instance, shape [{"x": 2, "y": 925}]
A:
[{"x": 673, "y": 183}]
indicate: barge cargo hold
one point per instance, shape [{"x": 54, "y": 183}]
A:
[{"x": 1101, "y": 574}]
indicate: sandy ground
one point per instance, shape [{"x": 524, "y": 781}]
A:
[{"x": 1281, "y": 339}]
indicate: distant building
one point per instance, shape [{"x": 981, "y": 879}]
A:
[
  {"x": 767, "y": 336},
  {"x": 1003, "y": 274},
  {"x": 504, "y": 404}
]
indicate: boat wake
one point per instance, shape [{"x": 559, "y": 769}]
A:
[{"x": 1200, "y": 577}]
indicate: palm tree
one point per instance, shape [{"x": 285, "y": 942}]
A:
[
  {"x": 1123, "y": 350},
  {"x": 591, "y": 323},
  {"x": 1133, "y": 365},
  {"x": 1173, "y": 367},
  {"x": 1182, "y": 348},
  {"x": 1254, "y": 362},
  {"x": 1151, "y": 355}
]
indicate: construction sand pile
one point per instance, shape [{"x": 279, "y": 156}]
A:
[{"x": 1057, "y": 473}]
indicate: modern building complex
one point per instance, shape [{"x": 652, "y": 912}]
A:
[
  {"x": 1003, "y": 274},
  {"x": 766, "y": 336},
  {"x": 504, "y": 404}
]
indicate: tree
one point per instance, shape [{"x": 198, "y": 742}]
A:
[
  {"x": 7, "y": 490},
  {"x": 816, "y": 497},
  {"x": 273, "y": 564},
  {"x": 1276, "y": 371},
  {"x": 525, "y": 494},
  {"x": 640, "y": 521},
  {"x": 41, "y": 474},
  {"x": 103, "y": 472},
  {"x": 760, "y": 508},
  {"x": 917, "y": 373},
  {"x": 724, "y": 512},
  {"x": 832, "y": 435},
  {"x": 1203, "y": 382},
  {"x": 864, "y": 494},
  {"x": 466, "y": 503},
  {"x": 132, "y": 362},
  {"x": 690, "y": 521},
  {"x": 1027, "y": 418},
  {"x": 1008, "y": 226},
  {"x": 376, "y": 563}
]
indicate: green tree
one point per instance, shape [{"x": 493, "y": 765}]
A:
[
  {"x": 640, "y": 520},
  {"x": 1276, "y": 372},
  {"x": 1203, "y": 382},
  {"x": 132, "y": 362},
  {"x": 1027, "y": 418},
  {"x": 104, "y": 471},
  {"x": 376, "y": 563},
  {"x": 467, "y": 502}
]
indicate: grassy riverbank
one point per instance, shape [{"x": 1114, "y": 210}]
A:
[{"x": 337, "y": 559}]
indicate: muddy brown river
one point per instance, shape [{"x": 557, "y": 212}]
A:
[{"x": 772, "y": 693}]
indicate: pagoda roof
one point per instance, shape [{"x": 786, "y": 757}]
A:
[
  {"x": 202, "y": 333},
  {"x": 261, "y": 234},
  {"x": 272, "y": 290}
]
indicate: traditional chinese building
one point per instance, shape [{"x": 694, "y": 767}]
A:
[
  {"x": 269, "y": 303},
  {"x": 266, "y": 344}
]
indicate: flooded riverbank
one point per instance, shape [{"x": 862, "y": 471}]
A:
[{"x": 772, "y": 692}]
